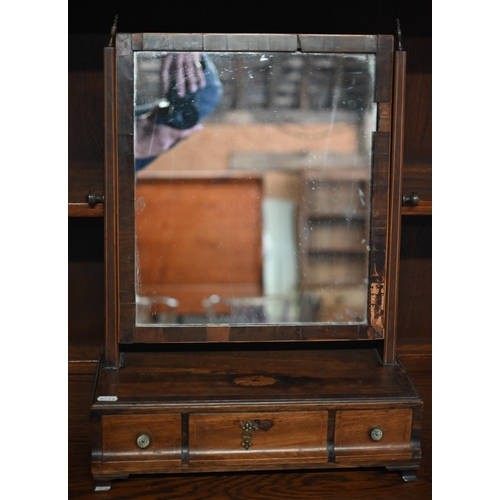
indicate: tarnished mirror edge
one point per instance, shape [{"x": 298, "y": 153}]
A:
[{"x": 126, "y": 44}]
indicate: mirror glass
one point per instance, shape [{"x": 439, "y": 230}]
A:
[{"x": 253, "y": 182}]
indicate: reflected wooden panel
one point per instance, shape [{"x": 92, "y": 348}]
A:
[
  {"x": 335, "y": 240},
  {"x": 198, "y": 236}
]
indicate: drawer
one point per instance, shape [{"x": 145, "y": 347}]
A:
[
  {"x": 142, "y": 437},
  {"x": 361, "y": 434},
  {"x": 258, "y": 438}
]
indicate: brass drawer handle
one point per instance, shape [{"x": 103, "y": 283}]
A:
[
  {"x": 143, "y": 441},
  {"x": 247, "y": 440},
  {"x": 248, "y": 426},
  {"x": 253, "y": 425},
  {"x": 376, "y": 433}
]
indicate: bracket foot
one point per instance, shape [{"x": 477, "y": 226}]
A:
[
  {"x": 408, "y": 474},
  {"x": 103, "y": 483}
]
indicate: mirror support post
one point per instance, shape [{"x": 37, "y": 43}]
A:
[
  {"x": 396, "y": 190},
  {"x": 111, "y": 354}
]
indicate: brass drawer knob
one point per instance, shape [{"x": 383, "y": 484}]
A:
[
  {"x": 413, "y": 199},
  {"x": 93, "y": 198},
  {"x": 376, "y": 433},
  {"x": 143, "y": 441}
]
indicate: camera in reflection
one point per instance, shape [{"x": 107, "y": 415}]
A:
[{"x": 180, "y": 112}]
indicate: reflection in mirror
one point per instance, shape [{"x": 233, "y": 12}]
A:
[{"x": 253, "y": 175}]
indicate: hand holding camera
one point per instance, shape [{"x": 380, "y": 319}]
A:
[
  {"x": 182, "y": 75},
  {"x": 183, "y": 72}
]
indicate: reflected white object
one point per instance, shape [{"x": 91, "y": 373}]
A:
[
  {"x": 280, "y": 258},
  {"x": 156, "y": 309}
]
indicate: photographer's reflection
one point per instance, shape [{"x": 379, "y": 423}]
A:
[{"x": 191, "y": 90}]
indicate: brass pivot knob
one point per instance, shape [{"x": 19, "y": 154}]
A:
[
  {"x": 413, "y": 199},
  {"x": 93, "y": 198},
  {"x": 376, "y": 433},
  {"x": 143, "y": 441}
]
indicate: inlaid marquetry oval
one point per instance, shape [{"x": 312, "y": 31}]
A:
[{"x": 255, "y": 380}]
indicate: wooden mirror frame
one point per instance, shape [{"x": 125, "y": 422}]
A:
[{"x": 120, "y": 192}]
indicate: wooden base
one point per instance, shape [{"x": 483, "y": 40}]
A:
[{"x": 267, "y": 409}]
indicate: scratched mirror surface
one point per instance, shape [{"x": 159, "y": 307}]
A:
[{"x": 253, "y": 187}]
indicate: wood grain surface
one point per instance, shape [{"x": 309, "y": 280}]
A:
[{"x": 287, "y": 485}]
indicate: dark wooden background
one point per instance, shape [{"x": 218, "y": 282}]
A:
[{"x": 89, "y": 26}]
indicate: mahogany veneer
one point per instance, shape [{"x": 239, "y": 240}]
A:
[
  {"x": 236, "y": 398},
  {"x": 311, "y": 407}
]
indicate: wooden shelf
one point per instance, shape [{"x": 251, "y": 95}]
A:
[
  {"x": 417, "y": 177},
  {"x": 337, "y": 216},
  {"x": 83, "y": 359},
  {"x": 85, "y": 210},
  {"x": 332, "y": 255},
  {"x": 423, "y": 208},
  {"x": 331, "y": 251}
]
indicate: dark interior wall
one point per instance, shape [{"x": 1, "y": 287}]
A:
[
  {"x": 360, "y": 17},
  {"x": 415, "y": 283}
]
